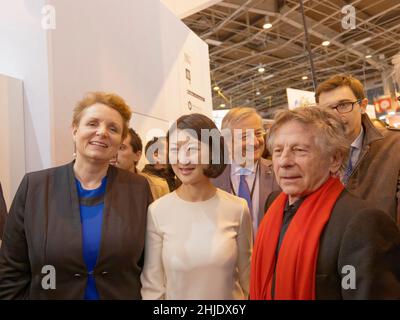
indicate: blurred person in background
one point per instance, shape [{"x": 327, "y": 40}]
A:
[
  {"x": 129, "y": 155},
  {"x": 156, "y": 154}
]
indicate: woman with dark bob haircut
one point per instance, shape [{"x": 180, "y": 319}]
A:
[{"x": 199, "y": 237}]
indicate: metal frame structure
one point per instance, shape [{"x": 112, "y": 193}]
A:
[{"x": 239, "y": 46}]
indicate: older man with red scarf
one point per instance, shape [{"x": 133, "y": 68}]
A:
[{"x": 317, "y": 241}]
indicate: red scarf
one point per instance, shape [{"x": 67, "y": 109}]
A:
[{"x": 297, "y": 259}]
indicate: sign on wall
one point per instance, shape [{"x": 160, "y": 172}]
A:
[{"x": 299, "y": 98}]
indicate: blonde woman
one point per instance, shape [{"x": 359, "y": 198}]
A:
[{"x": 84, "y": 220}]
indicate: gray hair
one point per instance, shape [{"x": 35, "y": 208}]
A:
[
  {"x": 327, "y": 125},
  {"x": 237, "y": 114}
]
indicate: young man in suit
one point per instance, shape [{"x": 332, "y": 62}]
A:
[
  {"x": 373, "y": 169},
  {"x": 249, "y": 175}
]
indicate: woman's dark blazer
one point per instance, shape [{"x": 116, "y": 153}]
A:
[
  {"x": 44, "y": 228},
  {"x": 3, "y": 212}
]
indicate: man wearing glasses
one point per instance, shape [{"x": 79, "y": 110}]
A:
[
  {"x": 372, "y": 171},
  {"x": 248, "y": 175}
]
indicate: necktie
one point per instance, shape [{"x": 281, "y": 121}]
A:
[
  {"x": 244, "y": 191},
  {"x": 349, "y": 168}
]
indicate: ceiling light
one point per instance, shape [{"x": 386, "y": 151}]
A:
[
  {"x": 213, "y": 42},
  {"x": 326, "y": 43},
  {"x": 267, "y": 24},
  {"x": 261, "y": 69},
  {"x": 216, "y": 88},
  {"x": 368, "y": 56},
  {"x": 304, "y": 77},
  {"x": 222, "y": 105}
]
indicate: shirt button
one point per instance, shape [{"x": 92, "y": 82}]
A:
[
  {"x": 77, "y": 275},
  {"x": 104, "y": 273}
]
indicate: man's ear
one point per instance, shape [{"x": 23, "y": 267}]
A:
[
  {"x": 336, "y": 161},
  {"x": 155, "y": 157},
  {"x": 363, "y": 105},
  {"x": 138, "y": 155}
]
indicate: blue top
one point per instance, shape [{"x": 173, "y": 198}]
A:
[{"x": 91, "y": 205}]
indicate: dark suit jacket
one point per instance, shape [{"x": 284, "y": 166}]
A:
[
  {"x": 365, "y": 238},
  {"x": 3, "y": 212},
  {"x": 376, "y": 175},
  {"x": 44, "y": 228},
  {"x": 267, "y": 183}
]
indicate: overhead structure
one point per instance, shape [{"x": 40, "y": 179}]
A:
[{"x": 358, "y": 37}]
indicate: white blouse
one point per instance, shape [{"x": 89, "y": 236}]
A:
[{"x": 197, "y": 250}]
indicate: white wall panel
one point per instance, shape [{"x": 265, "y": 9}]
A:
[
  {"x": 12, "y": 140},
  {"x": 23, "y": 55},
  {"x": 136, "y": 50},
  {"x": 184, "y": 8}
]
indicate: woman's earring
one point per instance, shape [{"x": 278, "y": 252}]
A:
[{"x": 74, "y": 154}]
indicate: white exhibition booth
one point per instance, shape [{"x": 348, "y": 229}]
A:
[
  {"x": 185, "y": 8},
  {"x": 60, "y": 49},
  {"x": 12, "y": 144}
]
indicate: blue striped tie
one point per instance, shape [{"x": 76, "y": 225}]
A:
[
  {"x": 349, "y": 168},
  {"x": 244, "y": 191}
]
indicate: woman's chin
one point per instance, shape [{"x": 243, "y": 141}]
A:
[{"x": 98, "y": 158}]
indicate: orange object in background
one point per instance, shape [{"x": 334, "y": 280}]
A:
[{"x": 383, "y": 104}]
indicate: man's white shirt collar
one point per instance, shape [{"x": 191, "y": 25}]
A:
[
  {"x": 357, "y": 143},
  {"x": 239, "y": 170}
]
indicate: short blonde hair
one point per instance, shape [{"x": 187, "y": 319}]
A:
[
  {"x": 328, "y": 128},
  {"x": 111, "y": 100},
  {"x": 237, "y": 114}
]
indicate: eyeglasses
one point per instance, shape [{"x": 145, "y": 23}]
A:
[
  {"x": 259, "y": 134},
  {"x": 346, "y": 106}
]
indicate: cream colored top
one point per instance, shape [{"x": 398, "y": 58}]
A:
[{"x": 197, "y": 250}]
